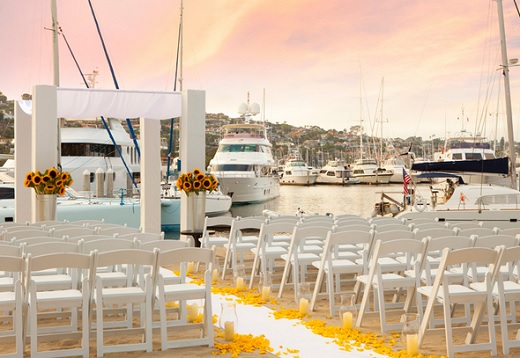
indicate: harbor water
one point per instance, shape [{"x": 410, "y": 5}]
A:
[{"x": 322, "y": 199}]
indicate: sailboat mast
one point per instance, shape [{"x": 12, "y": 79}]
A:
[
  {"x": 507, "y": 93},
  {"x": 181, "y": 43},
  {"x": 55, "y": 52}
]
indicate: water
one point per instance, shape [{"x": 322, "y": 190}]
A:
[{"x": 322, "y": 199}]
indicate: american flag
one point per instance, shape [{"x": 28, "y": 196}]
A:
[{"x": 406, "y": 180}]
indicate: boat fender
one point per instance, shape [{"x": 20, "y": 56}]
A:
[{"x": 420, "y": 205}]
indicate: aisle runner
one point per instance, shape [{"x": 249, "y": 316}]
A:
[{"x": 284, "y": 333}]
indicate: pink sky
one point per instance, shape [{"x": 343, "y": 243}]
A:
[{"x": 436, "y": 57}]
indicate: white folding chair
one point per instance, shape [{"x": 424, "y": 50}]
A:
[
  {"x": 139, "y": 292},
  {"x": 220, "y": 223},
  {"x": 11, "y": 303},
  {"x": 24, "y": 233},
  {"x": 239, "y": 242},
  {"x": 507, "y": 293},
  {"x": 384, "y": 276},
  {"x": 267, "y": 250},
  {"x": 479, "y": 231},
  {"x": 449, "y": 294},
  {"x": 300, "y": 255},
  {"x": 332, "y": 265},
  {"x": 182, "y": 292},
  {"x": 72, "y": 232},
  {"x": 75, "y": 297}
]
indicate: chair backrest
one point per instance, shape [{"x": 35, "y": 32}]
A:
[
  {"x": 468, "y": 258},
  {"x": 510, "y": 231},
  {"x": 134, "y": 260},
  {"x": 87, "y": 238},
  {"x": 302, "y": 234},
  {"x": 119, "y": 230},
  {"x": 106, "y": 245},
  {"x": 390, "y": 227},
  {"x": 411, "y": 249},
  {"x": 72, "y": 232},
  {"x": 29, "y": 241},
  {"x": 10, "y": 250},
  {"x": 493, "y": 241},
  {"x": 243, "y": 224},
  {"x": 47, "y": 222},
  {"x": 24, "y": 232},
  {"x": 480, "y": 231},
  {"x": 77, "y": 264},
  {"x": 427, "y": 226},
  {"x": 142, "y": 236},
  {"x": 163, "y": 245},
  {"x": 334, "y": 240},
  {"x": 50, "y": 248},
  {"x": 463, "y": 224},
  {"x": 353, "y": 227},
  {"x": 511, "y": 259},
  {"x": 15, "y": 265},
  {"x": 185, "y": 254},
  {"x": 287, "y": 218},
  {"x": 269, "y": 229},
  {"x": 433, "y": 232}
]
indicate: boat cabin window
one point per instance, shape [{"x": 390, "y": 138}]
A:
[
  {"x": 331, "y": 174},
  {"x": 88, "y": 150},
  {"x": 489, "y": 156},
  {"x": 457, "y": 156},
  {"x": 474, "y": 156},
  {"x": 236, "y": 148},
  {"x": 6, "y": 193},
  {"x": 499, "y": 199},
  {"x": 232, "y": 168}
]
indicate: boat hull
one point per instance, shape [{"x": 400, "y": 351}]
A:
[
  {"x": 374, "y": 179},
  {"x": 298, "y": 179},
  {"x": 248, "y": 190}
]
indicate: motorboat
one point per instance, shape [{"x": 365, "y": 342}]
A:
[
  {"x": 368, "y": 172},
  {"x": 244, "y": 164},
  {"x": 462, "y": 150},
  {"x": 296, "y": 172},
  {"x": 336, "y": 172}
]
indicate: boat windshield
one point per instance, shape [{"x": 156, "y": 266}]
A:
[
  {"x": 232, "y": 168},
  {"x": 236, "y": 148}
]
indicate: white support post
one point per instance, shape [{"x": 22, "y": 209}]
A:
[
  {"x": 150, "y": 201},
  {"x": 44, "y": 134},
  {"x": 192, "y": 139},
  {"x": 22, "y": 159}
]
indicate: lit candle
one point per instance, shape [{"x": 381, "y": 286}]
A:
[
  {"x": 229, "y": 330},
  {"x": 214, "y": 276},
  {"x": 266, "y": 293},
  {"x": 304, "y": 305},
  {"x": 190, "y": 267},
  {"x": 193, "y": 312},
  {"x": 347, "y": 320},
  {"x": 240, "y": 283},
  {"x": 412, "y": 344}
]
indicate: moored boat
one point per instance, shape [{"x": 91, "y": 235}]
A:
[
  {"x": 296, "y": 172},
  {"x": 243, "y": 164},
  {"x": 368, "y": 172},
  {"x": 336, "y": 172}
]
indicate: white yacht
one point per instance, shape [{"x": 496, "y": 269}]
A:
[
  {"x": 296, "y": 172},
  {"x": 368, "y": 172},
  {"x": 243, "y": 164},
  {"x": 336, "y": 172}
]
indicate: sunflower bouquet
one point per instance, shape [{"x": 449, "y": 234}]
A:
[
  {"x": 197, "y": 181},
  {"x": 52, "y": 181}
]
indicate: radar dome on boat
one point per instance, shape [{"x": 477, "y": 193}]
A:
[
  {"x": 242, "y": 109},
  {"x": 255, "y": 108}
]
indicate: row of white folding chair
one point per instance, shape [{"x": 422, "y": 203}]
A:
[{"x": 103, "y": 295}]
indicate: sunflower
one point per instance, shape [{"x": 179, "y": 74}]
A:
[{"x": 197, "y": 184}]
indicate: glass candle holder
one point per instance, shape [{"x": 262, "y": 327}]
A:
[
  {"x": 228, "y": 319},
  {"x": 216, "y": 270},
  {"x": 348, "y": 311},
  {"x": 192, "y": 312},
  {"x": 410, "y": 333},
  {"x": 303, "y": 298},
  {"x": 266, "y": 284},
  {"x": 239, "y": 274}
]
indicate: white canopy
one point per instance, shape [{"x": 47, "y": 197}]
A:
[{"x": 89, "y": 103}]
